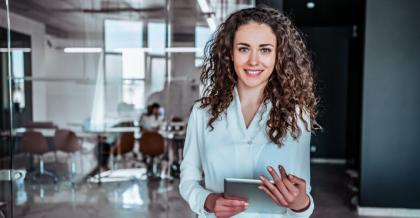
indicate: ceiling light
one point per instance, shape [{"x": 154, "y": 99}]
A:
[
  {"x": 212, "y": 23},
  {"x": 183, "y": 50},
  {"x": 3, "y": 50},
  {"x": 204, "y": 6},
  {"x": 83, "y": 50},
  {"x": 310, "y": 5},
  {"x": 121, "y": 50}
]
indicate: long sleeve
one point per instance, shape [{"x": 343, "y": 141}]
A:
[
  {"x": 191, "y": 168},
  {"x": 303, "y": 166}
]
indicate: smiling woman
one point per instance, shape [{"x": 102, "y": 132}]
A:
[
  {"x": 258, "y": 110},
  {"x": 254, "y": 54}
]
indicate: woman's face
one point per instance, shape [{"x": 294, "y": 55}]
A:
[
  {"x": 254, "y": 54},
  {"x": 156, "y": 111}
]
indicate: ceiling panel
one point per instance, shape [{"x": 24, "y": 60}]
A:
[{"x": 82, "y": 18}]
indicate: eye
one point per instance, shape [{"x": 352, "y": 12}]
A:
[
  {"x": 265, "y": 50},
  {"x": 243, "y": 49}
]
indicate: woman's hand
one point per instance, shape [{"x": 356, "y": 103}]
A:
[
  {"x": 287, "y": 191},
  {"x": 222, "y": 207}
]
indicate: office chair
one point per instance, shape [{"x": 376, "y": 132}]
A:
[
  {"x": 34, "y": 143},
  {"x": 123, "y": 146},
  {"x": 152, "y": 145},
  {"x": 67, "y": 141}
]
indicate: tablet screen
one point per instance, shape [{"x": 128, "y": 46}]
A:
[{"x": 258, "y": 200}]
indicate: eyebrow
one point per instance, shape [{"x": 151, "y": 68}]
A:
[{"x": 262, "y": 45}]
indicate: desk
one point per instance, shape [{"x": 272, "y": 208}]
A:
[
  {"x": 49, "y": 133},
  {"x": 170, "y": 137},
  {"x": 100, "y": 134},
  {"x": 45, "y": 132}
]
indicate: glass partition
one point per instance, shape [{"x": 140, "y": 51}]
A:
[
  {"x": 13, "y": 63},
  {"x": 74, "y": 83}
]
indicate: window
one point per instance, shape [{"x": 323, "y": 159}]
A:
[
  {"x": 125, "y": 62},
  {"x": 202, "y": 36},
  {"x": 157, "y": 41},
  {"x": 121, "y": 34},
  {"x": 156, "y": 35},
  {"x": 18, "y": 96}
]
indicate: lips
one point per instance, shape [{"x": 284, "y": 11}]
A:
[{"x": 253, "y": 73}]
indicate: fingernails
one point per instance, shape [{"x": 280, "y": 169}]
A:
[
  {"x": 262, "y": 178},
  {"x": 290, "y": 177},
  {"x": 269, "y": 168},
  {"x": 246, "y": 204},
  {"x": 260, "y": 187}
]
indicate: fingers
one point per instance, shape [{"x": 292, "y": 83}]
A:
[
  {"x": 234, "y": 203},
  {"x": 270, "y": 195},
  {"x": 287, "y": 190},
  {"x": 227, "y": 208},
  {"x": 298, "y": 181},
  {"x": 280, "y": 183},
  {"x": 228, "y": 205},
  {"x": 285, "y": 186},
  {"x": 293, "y": 190},
  {"x": 227, "y": 214},
  {"x": 282, "y": 172},
  {"x": 224, "y": 209},
  {"x": 273, "y": 174},
  {"x": 274, "y": 191}
]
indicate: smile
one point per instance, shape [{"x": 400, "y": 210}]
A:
[{"x": 253, "y": 72}]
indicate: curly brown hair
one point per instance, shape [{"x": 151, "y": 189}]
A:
[{"x": 290, "y": 86}]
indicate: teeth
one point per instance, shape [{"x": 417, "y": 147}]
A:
[{"x": 253, "y": 72}]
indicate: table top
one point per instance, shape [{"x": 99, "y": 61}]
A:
[
  {"x": 113, "y": 129},
  {"x": 49, "y": 132},
  {"x": 89, "y": 133}
]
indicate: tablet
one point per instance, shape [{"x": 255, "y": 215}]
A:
[{"x": 258, "y": 200}]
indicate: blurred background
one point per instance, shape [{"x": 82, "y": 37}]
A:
[{"x": 95, "y": 96}]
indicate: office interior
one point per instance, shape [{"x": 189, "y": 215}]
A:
[{"x": 65, "y": 64}]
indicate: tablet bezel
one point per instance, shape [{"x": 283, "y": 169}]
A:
[{"x": 247, "y": 189}]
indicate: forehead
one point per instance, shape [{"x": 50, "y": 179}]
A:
[{"x": 255, "y": 33}]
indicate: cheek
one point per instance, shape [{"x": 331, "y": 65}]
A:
[
  {"x": 239, "y": 60},
  {"x": 269, "y": 61}
]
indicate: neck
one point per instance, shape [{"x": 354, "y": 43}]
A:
[{"x": 250, "y": 95}]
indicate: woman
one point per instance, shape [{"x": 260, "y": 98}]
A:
[
  {"x": 152, "y": 120},
  {"x": 257, "y": 114}
]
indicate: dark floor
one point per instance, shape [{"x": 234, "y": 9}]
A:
[{"x": 141, "y": 198}]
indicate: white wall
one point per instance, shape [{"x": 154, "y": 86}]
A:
[
  {"x": 64, "y": 83},
  {"x": 70, "y": 94},
  {"x": 37, "y": 32}
]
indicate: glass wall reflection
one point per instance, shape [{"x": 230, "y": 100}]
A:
[{"x": 79, "y": 70}]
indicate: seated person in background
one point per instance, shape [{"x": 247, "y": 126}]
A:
[{"x": 152, "y": 119}]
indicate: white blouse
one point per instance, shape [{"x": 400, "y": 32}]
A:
[
  {"x": 234, "y": 151},
  {"x": 150, "y": 122}
]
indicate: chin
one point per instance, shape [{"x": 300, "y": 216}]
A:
[{"x": 254, "y": 84}]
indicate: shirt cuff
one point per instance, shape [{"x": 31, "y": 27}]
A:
[
  {"x": 306, "y": 213},
  {"x": 201, "y": 199}
]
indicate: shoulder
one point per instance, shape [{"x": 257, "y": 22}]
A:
[
  {"x": 142, "y": 117},
  {"x": 199, "y": 111}
]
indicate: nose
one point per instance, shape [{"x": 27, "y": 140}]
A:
[{"x": 253, "y": 59}]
